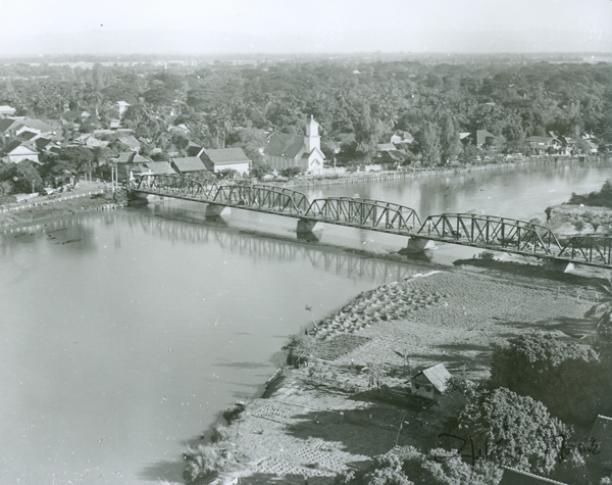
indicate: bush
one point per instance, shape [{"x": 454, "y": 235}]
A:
[
  {"x": 204, "y": 462},
  {"x": 290, "y": 172},
  {"x": 513, "y": 430},
  {"x": 301, "y": 350},
  {"x": 408, "y": 465},
  {"x": 549, "y": 369}
]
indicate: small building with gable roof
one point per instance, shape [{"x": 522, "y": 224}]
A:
[
  {"x": 431, "y": 382},
  {"x": 187, "y": 165},
  {"x": 219, "y": 159}
]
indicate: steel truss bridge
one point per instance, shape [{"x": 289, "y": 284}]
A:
[{"x": 474, "y": 230}]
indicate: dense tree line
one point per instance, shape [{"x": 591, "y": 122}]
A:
[{"x": 358, "y": 103}]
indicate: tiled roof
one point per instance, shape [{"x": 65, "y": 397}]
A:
[
  {"x": 226, "y": 156},
  {"x": 188, "y": 164},
  {"x": 160, "y": 168},
  {"x": 130, "y": 141},
  {"x": 6, "y": 123},
  {"x": 283, "y": 145}
]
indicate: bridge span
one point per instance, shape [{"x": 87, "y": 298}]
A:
[{"x": 479, "y": 231}]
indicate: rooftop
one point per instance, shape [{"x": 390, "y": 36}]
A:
[
  {"x": 226, "y": 156},
  {"x": 437, "y": 375},
  {"x": 284, "y": 145},
  {"x": 188, "y": 164},
  {"x": 160, "y": 168}
]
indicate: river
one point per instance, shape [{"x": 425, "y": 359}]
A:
[{"x": 125, "y": 333}]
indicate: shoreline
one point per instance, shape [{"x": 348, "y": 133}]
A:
[
  {"x": 50, "y": 210},
  {"x": 390, "y": 176},
  {"x": 293, "y": 427}
]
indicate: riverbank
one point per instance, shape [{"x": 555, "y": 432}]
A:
[
  {"x": 48, "y": 209},
  {"x": 350, "y": 402},
  {"x": 424, "y": 172}
]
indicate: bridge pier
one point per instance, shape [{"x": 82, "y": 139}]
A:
[
  {"x": 417, "y": 246},
  {"x": 558, "y": 266},
  {"x": 304, "y": 229},
  {"x": 213, "y": 211},
  {"x": 137, "y": 198}
]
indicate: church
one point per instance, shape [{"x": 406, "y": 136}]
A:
[{"x": 287, "y": 151}]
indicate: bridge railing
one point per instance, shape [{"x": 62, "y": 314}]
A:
[
  {"x": 367, "y": 213},
  {"x": 590, "y": 248},
  {"x": 491, "y": 232},
  {"x": 261, "y": 197}
]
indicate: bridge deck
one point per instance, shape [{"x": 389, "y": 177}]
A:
[{"x": 472, "y": 230}]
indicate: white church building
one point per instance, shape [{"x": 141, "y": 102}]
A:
[{"x": 304, "y": 152}]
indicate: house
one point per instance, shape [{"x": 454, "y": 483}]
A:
[
  {"x": 385, "y": 147},
  {"x": 128, "y": 164},
  {"x": 188, "y": 165},
  {"x": 601, "y": 437},
  {"x": 122, "y": 107},
  {"x": 193, "y": 149},
  {"x": 219, "y": 159},
  {"x": 484, "y": 137},
  {"x": 541, "y": 145},
  {"x": 304, "y": 152},
  {"x": 50, "y": 128},
  {"x": 9, "y": 127},
  {"x": 402, "y": 139},
  {"x": 431, "y": 382},
  {"x": 160, "y": 168},
  {"x": 17, "y": 152},
  {"x": 6, "y": 111},
  {"x": 517, "y": 477},
  {"x": 464, "y": 135},
  {"x": 128, "y": 142}
]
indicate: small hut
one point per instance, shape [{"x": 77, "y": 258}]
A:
[{"x": 431, "y": 382}]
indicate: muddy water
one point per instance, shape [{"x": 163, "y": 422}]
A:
[{"x": 124, "y": 334}]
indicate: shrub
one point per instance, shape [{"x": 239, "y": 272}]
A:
[
  {"x": 301, "y": 350},
  {"x": 513, "y": 430},
  {"x": 549, "y": 369},
  {"x": 204, "y": 462}
]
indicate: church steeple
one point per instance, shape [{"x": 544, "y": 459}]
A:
[{"x": 312, "y": 139}]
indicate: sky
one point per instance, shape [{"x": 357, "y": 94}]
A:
[{"x": 193, "y": 27}]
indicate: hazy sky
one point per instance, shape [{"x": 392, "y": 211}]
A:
[{"x": 279, "y": 26}]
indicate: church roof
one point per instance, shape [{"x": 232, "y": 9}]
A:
[{"x": 284, "y": 145}]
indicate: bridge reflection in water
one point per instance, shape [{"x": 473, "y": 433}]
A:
[
  {"x": 265, "y": 248},
  {"x": 484, "y": 232}
]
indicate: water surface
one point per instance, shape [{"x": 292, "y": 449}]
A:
[{"x": 124, "y": 334}]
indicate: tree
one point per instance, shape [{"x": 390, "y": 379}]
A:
[
  {"x": 513, "y": 430},
  {"x": 549, "y": 369},
  {"x": 22, "y": 177},
  {"x": 450, "y": 143},
  {"x": 429, "y": 142},
  {"x": 410, "y": 466}
]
